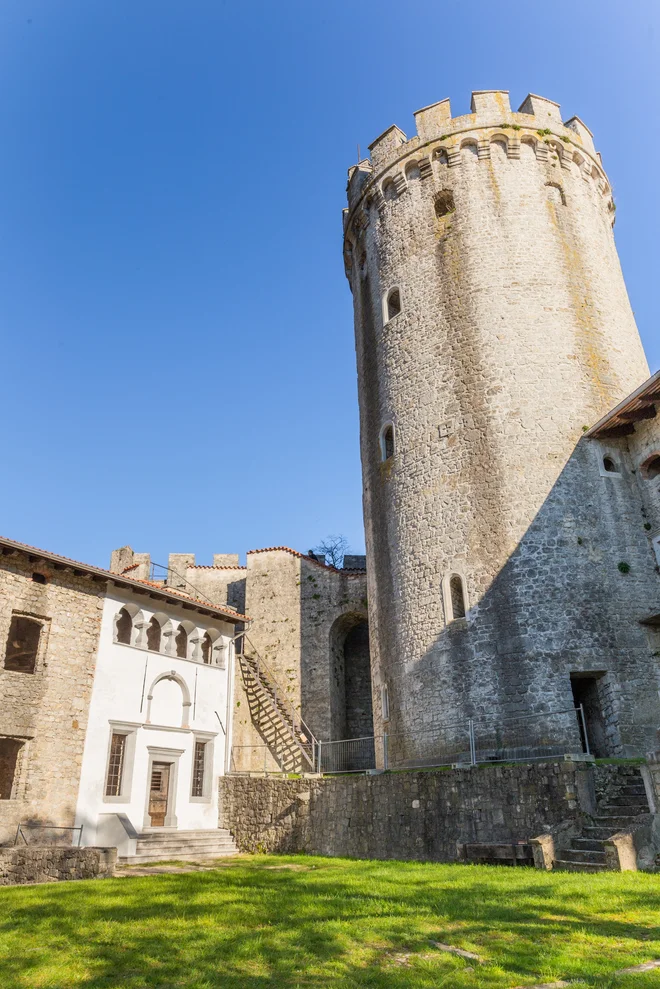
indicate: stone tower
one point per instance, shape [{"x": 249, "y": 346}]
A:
[{"x": 493, "y": 327}]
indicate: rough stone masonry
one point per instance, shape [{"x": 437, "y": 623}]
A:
[{"x": 510, "y": 557}]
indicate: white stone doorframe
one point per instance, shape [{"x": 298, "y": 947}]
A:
[{"x": 170, "y": 756}]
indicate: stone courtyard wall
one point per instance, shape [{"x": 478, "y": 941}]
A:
[
  {"x": 409, "y": 815},
  {"x": 40, "y": 864}
]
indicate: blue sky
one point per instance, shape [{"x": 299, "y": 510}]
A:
[{"x": 179, "y": 369}]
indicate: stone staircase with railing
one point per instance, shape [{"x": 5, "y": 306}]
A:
[
  {"x": 289, "y": 739},
  {"x": 615, "y": 812}
]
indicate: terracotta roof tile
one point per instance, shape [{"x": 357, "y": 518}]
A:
[
  {"x": 208, "y": 566},
  {"x": 120, "y": 577}
]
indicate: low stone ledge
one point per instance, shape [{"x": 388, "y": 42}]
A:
[
  {"x": 496, "y": 853},
  {"x": 631, "y": 848},
  {"x": 53, "y": 863},
  {"x": 545, "y": 846}
]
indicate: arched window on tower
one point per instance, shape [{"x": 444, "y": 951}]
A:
[
  {"x": 387, "y": 441},
  {"x": 124, "y": 627},
  {"x": 457, "y": 605},
  {"x": 153, "y": 635},
  {"x": 392, "y": 304}
]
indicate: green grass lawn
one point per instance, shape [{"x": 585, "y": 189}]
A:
[{"x": 298, "y": 921}]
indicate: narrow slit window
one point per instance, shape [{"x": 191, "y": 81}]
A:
[
  {"x": 458, "y": 609},
  {"x": 124, "y": 627},
  {"x": 199, "y": 765},
  {"x": 115, "y": 765},
  {"x": 22, "y": 644},
  {"x": 153, "y": 635},
  {"x": 393, "y": 303},
  {"x": 385, "y": 702},
  {"x": 387, "y": 442}
]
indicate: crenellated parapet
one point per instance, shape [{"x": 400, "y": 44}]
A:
[{"x": 441, "y": 140}]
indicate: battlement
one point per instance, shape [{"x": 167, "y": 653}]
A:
[{"x": 490, "y": 108}]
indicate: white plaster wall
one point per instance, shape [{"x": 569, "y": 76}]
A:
[{"x": 124, "y": 678}]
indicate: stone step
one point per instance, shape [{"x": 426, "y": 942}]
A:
[
  {"x": 587, "y": 844},
  {"x": 603, "y": 818},
  {"x": 586, "y": 857},
  {"x": 598, "y": 834},
  {"x": 200, "y": 845},
  {"x": 184, "y": 852},
  {"x": 167, "y": 844},
  {"x": 565, "y": 865},
  {"x": 627, "y": 799},
  {"x": 208, "y": 840},
  {"x": 178, "y": 856},
  {"x": 165, "y": 834}
]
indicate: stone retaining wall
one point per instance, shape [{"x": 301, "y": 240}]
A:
[
  {"x": 48, "y": 864},
  {"x": 408, "y": 815}
]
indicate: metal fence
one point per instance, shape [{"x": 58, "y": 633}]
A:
[
  {"x": 466, "y": 743},
  {"x": 524, "y": 738},
  {"x": 352, "y": 755},
  {"x": 264, "y": 759},
  {"x": 531, "y": 736}
]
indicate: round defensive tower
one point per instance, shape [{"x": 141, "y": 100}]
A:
[{"x": 492, "y": 328}]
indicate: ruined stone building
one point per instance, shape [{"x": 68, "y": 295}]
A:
[{"x": 511, "y": 474}]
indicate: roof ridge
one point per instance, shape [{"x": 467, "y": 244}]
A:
[
  {"x": 211, "y": 566},
  {"x": 306, "y": 556}
]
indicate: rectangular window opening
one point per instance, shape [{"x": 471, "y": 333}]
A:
[
  {"x": 115, "y": 765},
  {"x": 9, "y": 750},
  {"x": 199, "y": 762},
  {"x": 22, "y": 644}
]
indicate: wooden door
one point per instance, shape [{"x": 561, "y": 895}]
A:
[{"x": 158, "y": 793}]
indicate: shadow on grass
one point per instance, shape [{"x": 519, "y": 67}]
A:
[{"x": 335, "y": 924}]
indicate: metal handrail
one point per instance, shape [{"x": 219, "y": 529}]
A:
[
  {"x": 46, "y": 827},
  {"x": 280, "y": 700}
]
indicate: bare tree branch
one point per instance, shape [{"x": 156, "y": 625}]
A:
[{"x": 332, "y": 549}]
